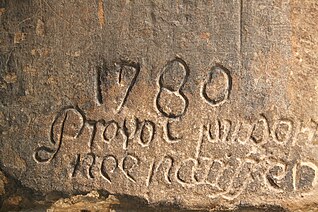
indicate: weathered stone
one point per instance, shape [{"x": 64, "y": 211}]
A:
[
  {"x": 89, "y": 202},
  {"x": 3, "y": 182},
  {"x": 200, "y": 104}
]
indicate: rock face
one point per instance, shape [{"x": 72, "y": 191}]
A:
[{"x": 200, "y": 104}]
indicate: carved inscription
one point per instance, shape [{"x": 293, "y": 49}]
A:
[
  {"x": 225, "y": 176},
  {"x": 224, "y": 157},
  {"x": 170, "y": 100},
  {"x": 171, "y": 81},
  {"x": 217, "y": 73},
  {"x": 128, "y": 73},
  {"x": 129, "y": 68},
  {"x": 92, "y": 166},
  {"x": 71, "y": 117},
  {"x": 109, "y": 165}
]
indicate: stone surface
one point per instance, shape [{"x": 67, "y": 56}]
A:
[
  {"x": 89, "y": 202},
  {"x": 3, "y": 182},
  {"x": 198, "y": 104}
]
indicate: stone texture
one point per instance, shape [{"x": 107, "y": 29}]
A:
[
  {"x": 196, "y": 104},
  {"x": 3, "y": 182},
  {"x": 89, "y": 202}
]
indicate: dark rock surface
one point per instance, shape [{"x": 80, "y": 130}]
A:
[{"x": 195, "y": 104}]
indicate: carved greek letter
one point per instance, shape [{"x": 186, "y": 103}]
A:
[
  {"x": 109, "y": 165},
  {"x": 260, "y": 133},
  {"x": 282, "y": 131},
  {"x": 111, "y": 131},
  {"x": 84, "y": 165},
  {"x": 166, "y": 165},
  {"x": 128, "y": 165},
  {"x": 68, "y": 123},
  {"x": 185, "y": 173},
  {"x": 224, "y": 93},
  {"x": 167, "y": 135},
  {"x": 147, "y": 133}
]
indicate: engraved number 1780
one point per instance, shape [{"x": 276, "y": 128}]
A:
[{"x": 170, "y": 100}]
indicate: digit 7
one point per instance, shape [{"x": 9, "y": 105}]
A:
[{"x": 126, "y": 66}]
